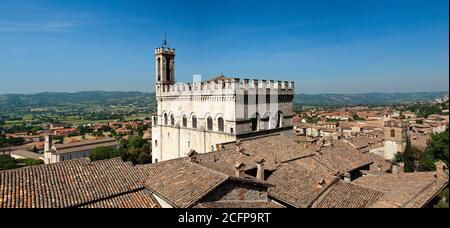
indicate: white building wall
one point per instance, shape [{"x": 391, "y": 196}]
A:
[{"x": 391, "y": 148}]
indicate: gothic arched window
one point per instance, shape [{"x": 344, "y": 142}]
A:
[
  {"x": 279, "y": 117},
  {"x": 172, "y": 120},
  {"x": 255, "y": 122},
  {"x": 166, "y": 121},
  {"x": 159, "y": 69},
  {"x": 194, "y": 122},
  {"x": 184, "y": 121},
  {"x": 209, "y": 123},
  {"x": 221, "y": 124}
]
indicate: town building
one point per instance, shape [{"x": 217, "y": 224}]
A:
[
  {"x": 54, "y": 153},
  {"x": 270, "y": 171},
  {"x": 394, "y": 138},
  {"x": 202, "y": 114}
]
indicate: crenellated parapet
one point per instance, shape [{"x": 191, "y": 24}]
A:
[
  {"x": 165, "y": 50},
  {"x": 397, "y": 124},
  {"x": 229, "y": 86}
]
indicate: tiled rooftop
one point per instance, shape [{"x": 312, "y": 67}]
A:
[
  {"x": 67, "y": 184},
  {"x": 297, "y": 186},
  {"x": 239, "y": 204},
  {"x": 342, "y": 157},
  {"x": 404, "y": 189},
  {"x": 346, "y": 195}
]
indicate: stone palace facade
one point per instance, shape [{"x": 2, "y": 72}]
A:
[{"x": 203, "y": 114}]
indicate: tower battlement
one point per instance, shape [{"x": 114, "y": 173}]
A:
[
  {"x": 396, "y": 124},
  {"x": 229, "y": 86},
  {"x": 165, "y": 50}
]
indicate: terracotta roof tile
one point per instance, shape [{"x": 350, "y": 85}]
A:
[
  {"x": 138, "y": 199},
  {"x": 346, "y": 195},
  {"x": 404, "y": 189},
  {"x": 66, "y": 184},
  {"x": 238, "y": 204},
  {"x": 297, "y": 186},
  {"x": 185, "y": 183}
]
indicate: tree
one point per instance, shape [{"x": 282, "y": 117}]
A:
[
  {"x": 84, "y": 130},
  {"x": 144, "y": 158},
  {"x": 427, "y": 162},
  {"x": 123, "y": 143},
  {"x": 32, "y": 162},
  {"x": 314, "y": 119},
  {"x": 7, "y": 162},
  {"x": 16, "y": 141},
  {"x": 442, "y": 199},
  {"x": 98, "y": 134},
  {"x": 135, "y": 142},
  {"x": 113, "y": 133},
  {"x": 102, "y": 153},
  {"x": 408, "y": 157},
  {"x": 438, "y": 147},
  {"x": 355, "y": 117},
  {"x": 58, "y": 139},
  {"x": 140, "y": 129},
  {"x": 3, "y": 141},
  {"x": 35, "y": 129}
]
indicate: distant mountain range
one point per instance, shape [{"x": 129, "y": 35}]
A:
[
  {"x": 367, "y": 98},
  {"x": 9, "y": 102}
]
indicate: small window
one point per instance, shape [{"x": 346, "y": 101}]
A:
[
  {"x": 172, "y": 120},
  {"x": 156, "y": 143},
  {"x": 255, "y": 122},
  {"x": 279, "y": 122},
  {"x": 166, "y": 121},
  {"x": 231, "y": 130},
  {"x": 194, "y": 122},
  {"x": 220, "y": 122},
  {"x": 209, "y": 123},
  {"x": 184, "y": 121},
  {"x": 393, "y": 133}
]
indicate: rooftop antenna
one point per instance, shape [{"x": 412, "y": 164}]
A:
[{"x": 164, "y": 43}]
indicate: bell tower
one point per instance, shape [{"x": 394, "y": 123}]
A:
[{"x": 165, "y": 65}]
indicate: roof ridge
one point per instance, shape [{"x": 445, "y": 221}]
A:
[
  {"x": 86, "y": 159},
  {"x": 420, "y": 192}
]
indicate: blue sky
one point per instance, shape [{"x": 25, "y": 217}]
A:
[{"x": 334, "y": 46}]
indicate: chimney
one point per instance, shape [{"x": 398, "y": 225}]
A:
[
  {"x": 219, "y": 147},
  {"x": 240, "y": 169},
  {"x": 347, "y": 178},
  {"x": 320, "y": 183},
  {"x": 192, "y": 156},
  {"x": 260, "y": 169},
  {"x": 441, "y": 167},
  {"x": 238, "y": 146},
  {"x": 396, "y": 169},
  {"x": 48, "y": 142}
]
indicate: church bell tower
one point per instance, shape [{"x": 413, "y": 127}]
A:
[{"x": 165, "y": 65}]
